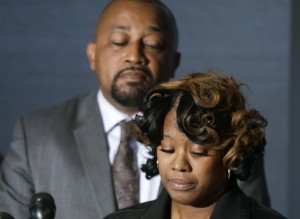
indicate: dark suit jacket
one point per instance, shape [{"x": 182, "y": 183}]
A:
[
  {"x": 64, "y": 151},
  {"x": 234, "y": 204}
]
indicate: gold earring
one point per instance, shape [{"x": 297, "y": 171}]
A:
[
  {"x": 157, "y": 164},
  {"x": 228, "y": 174}
]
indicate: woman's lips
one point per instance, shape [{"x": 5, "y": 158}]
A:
[{"x": 181, "y": 184}]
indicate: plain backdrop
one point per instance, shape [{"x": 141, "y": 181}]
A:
[{"x": 43, "y": 63}]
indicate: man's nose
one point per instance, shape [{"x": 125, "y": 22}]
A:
[{"x": 135, "y": 54}]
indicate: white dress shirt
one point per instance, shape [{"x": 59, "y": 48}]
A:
[{"x": 111, "y": 117}]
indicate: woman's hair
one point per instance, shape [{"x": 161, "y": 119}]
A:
[{"x": 210, "y": 111}]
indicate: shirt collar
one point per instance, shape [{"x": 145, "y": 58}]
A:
[{"x": 110, "y": 115}]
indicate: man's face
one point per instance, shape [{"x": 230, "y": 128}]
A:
[{"x": 134, "y": 50}]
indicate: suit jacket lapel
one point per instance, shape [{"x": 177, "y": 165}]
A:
[
  {"x": 160, "y": 208},
  {"x": 233, "y": 204},
  {"x": 93, "y": 148}
]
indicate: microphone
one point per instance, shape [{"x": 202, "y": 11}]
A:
[
  {"x": 42, "y": 206},
  {"x": 4, "y": 215}
]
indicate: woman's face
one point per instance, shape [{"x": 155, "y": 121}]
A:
[{"x": 191, "y": 174}]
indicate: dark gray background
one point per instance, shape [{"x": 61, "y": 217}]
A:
[{"x": 43, "y": 62}]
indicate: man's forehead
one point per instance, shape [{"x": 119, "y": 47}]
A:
[
  {"x": 142, "y": 16},
  {"x": 133, "y": 9},
  {"x": 147, "y": 29},
  {"x": 132, "y": 20}
]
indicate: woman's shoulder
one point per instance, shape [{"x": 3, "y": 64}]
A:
[
  {"x": 133, "y": 212},
  {"x": 260, "y": 211}
]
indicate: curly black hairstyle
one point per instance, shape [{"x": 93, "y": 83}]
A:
[{"x": 210, "y": 111}]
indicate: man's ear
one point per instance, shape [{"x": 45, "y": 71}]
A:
[
  {"x": 176, "y": 62},
  {"x": 91, "y": 53},
  {"x": 177, "y": 58}
]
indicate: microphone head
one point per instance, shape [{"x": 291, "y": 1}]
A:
[
  {"x": 4, "y": 215},
  {"x": 42, "y": 206}
]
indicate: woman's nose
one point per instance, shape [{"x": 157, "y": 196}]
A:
[{"x": 181, "y": 164}]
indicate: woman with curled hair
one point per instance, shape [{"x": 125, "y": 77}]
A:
[{"x": 202, "y": 139}]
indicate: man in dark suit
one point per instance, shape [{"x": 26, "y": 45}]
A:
[{"x": 68, "y": 150}]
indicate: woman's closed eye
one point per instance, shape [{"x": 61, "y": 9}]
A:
[
  {"x": 202, "y": 153},
  {"x": 167, "y": 150}
]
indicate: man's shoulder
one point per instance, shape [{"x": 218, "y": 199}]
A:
[
  {"x": 66, "y": 108},
  {"x": 62, "y": 116}
]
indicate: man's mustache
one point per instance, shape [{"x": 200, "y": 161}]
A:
[{"x": 145, "y": 71}]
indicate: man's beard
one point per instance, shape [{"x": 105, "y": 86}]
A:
[{"x": 134, "y": 98}]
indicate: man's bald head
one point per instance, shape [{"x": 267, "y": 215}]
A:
[{"x": 165, "y": 12}]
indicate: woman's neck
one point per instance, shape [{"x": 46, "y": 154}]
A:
[{"x": 179, "y": 211}]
